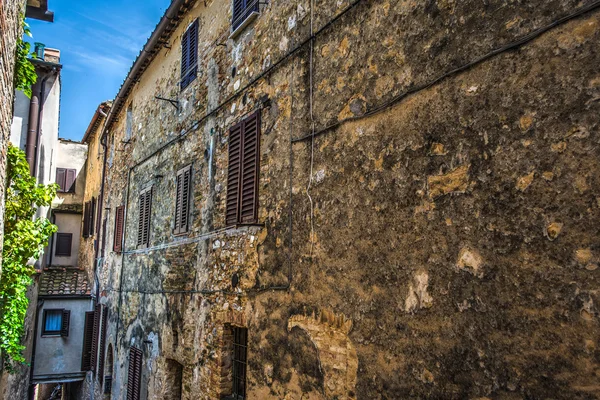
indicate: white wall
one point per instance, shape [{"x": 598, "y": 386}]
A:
[
  {"x": 67, "y": 223},
  {"x": 70, "y": 155}
]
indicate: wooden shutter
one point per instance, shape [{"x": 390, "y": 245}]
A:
[
  {"x": 249, "y": 169},
  {"x": 119, "y": 219},
  {"x": 182, "y": 201},
  {"x": 102, "y": 343},
  {"x": 61, "y": 176},
  {"x": 145, "y": 205},
  {"x": 243, "y": 171},
  {"x": 134, "y": 374},
  {"x": 189, "y": 55},
  {"x": 95, "y": 332},
  {"x": 88, "y": 334},
  {"x": 70, "y": 177},
  {"x": 63, "y": 244},
  {"x": 66, "y": 319},
  {"x": 238, "y": 11},
  {"x": 92, "y": 223},
  {"x": 233, "y": 174},
  {"x": 86, "y": 219}
]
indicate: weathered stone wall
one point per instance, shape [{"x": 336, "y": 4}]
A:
[{"x": 443, "y": 247}]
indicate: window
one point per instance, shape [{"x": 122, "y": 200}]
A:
[
  {"x": 56, "y": 322},
  {"x": 63, "y": 244},
  {"x": 88, "y": 338},
  {"x": 242, "y": 171},
  {"x": 189, "y": 55},
  {"x": 145, "y": 206},
  {"x": 243, "y": 10},
  {"x": 240, "y": 362},
  {"x": 134, "y": 374},
  {"x": 89, "y": 211},
  {"x": 119, "y": 219},
  {"x": 182, "y": 199},
  {"x": 129, "y": 122},
  {"x": 65, "y": 178}
]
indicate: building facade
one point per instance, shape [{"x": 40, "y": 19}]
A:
[{"x": 366, "y": 199}]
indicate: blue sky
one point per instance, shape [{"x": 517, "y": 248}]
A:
[{"x": 98, "y": 40}]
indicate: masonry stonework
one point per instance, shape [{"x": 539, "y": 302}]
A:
[{"x": 440, "y": 244}]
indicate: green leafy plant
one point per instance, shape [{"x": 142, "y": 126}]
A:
[
  {"x": 24, "y": 240},
  {"x": 25, "y": 76}
]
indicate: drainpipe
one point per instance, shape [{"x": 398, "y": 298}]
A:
[{"x": 34, "y": 113}]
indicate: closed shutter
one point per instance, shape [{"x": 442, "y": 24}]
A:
[
  {"x": 88, "y": 334},
  {"x": 102, "y": 343},
  {"x": 63, "y": 244},
  {"x": 70, "y": 176},
  {"x": 233, "y": 174},
  {"x": 92, "y": 224},
  {"x": 66, "y": 319},
  {"x": 119, "y": 219},
  {"x": 145, "y": 205},
  {"x": 95, "y": 332},
  {"x": 189, "y": 55},
  {"x": 242, "y": 9},
  {"x": 61, "y": 176},
  {"x": 86, "y": 219},
  {"x": 243, "y": 171},
  {"x": 134, "y": 374},
  {"x": 182, "y": 201}
]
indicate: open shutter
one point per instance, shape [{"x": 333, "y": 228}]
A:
[
  {"x": 119, "y": 218},
  {"x": 61, "y": 176},
  {"x": 238, "y": 10},
  {"x": 70, "y": 176},
  {"x": 249, "y": 169},
  {"x": 102, "y": 343},
  {"x": 147, "y": 212},
  {"x": 64, "y": 329},
  {"x": 182, "y": 199},
  {"x": 134, "y": 374},
  {"x": 92, "y": 223},
  {"x": 141, "y": 220},
  {"x": 86, "y": 219},
  {"x": 88, "y": 334},
  {"x": 189, "y": 55},
  {"x": 233, "y": 174},
  {"x": 178, "y": 202},
  {"x": 95, "y": 332}
]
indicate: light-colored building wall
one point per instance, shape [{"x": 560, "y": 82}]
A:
[
  {"x": 72, "y": 155},
  {"x": 66, "y": 223}
]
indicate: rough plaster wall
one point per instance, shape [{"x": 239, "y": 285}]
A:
[{"x": 456, "y": 229}]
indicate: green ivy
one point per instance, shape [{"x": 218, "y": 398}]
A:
[
  {"x": 24, "y": 241},
  {"x": 25, "y": 76}
]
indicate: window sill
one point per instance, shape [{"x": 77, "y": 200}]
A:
[
  {"x": 243, "y": 25},
  {"x": 51, "y": 335}
]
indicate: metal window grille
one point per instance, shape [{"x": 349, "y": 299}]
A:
[{"x": 240, "y": 362}]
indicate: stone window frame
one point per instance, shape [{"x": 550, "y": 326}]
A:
[{"x": 228, "y": 370}]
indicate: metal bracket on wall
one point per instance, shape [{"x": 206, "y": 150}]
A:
[{"x": 174, "y": 103}]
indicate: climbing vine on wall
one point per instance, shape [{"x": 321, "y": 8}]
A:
[
  {"x": 25, "y": 76},
  {"x": 24, "y": 240}
]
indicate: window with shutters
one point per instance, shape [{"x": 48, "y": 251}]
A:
[
  {"x": 65, "y": 178},
  {"x": 182, "y": 199},
  {"x": 145, "y": 210},
  {"x": 244, "y": 11},
  {"x": 242, "y": 172},
  {"x": 88, "y": 337},
  {"x": 56, "y": 322},
  {"x": 189, "y": 55},
  {"x": 64, "y": 242},
  {"x": 134, "y": 374},
  {"x": 119, "y": 220},
  {"x": 235, "y": 351},
  {"x": 89, "y": 213}
]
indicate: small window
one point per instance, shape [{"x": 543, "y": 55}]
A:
[
  {"x": 189, "y": 55},
  {"x": 240, "y": 362},
  {"x": 243, "y": 12},
  {"x": 182, "y": 199},
  {"x": 119, "y": 219},
  {"x": 242, "y": 172},
  {"x": 65, "y": 178},
  {"x": 134, "y": 374},
  {"x": 145, "y": 210},
  {"x": 63, "y": 244},
  {"x": 129, "y": 122},
  {"x": 56, "y": 322}
]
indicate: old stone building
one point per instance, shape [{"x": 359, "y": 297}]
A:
[{"x": 355, "y": 199}]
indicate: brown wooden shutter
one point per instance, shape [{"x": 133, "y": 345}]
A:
[
  {"x": 66, "y": 319},
  {"x": 134, "y": 374},
  {"x": 95, "y": 332},
  {"x": 63, "y": 244},
  {"x": 183, "y": 187},
  {"x": 70, "y": 176},
  {"x": 88, "y": 334},
  {"x": 249, "y": 169},
  {"x": 119, "y": 218},
  {"x": 145, "y": 204},
  {"x": 92, "y": 223},
  {"x": 233, "y": 174},
  {"x": 61, "y": 176},
  {"x": 141, "y": 219},
  {"x": 102, "y": 343},
  {"x": 86, "y": 219}
]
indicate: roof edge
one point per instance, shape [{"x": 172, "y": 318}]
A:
[{"x": 101, "y": 112}]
